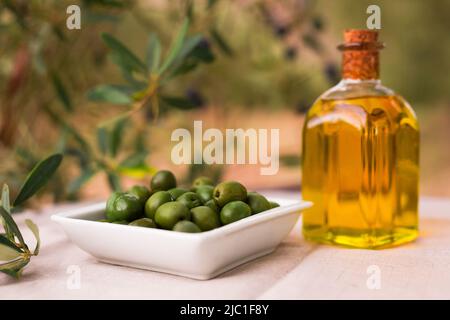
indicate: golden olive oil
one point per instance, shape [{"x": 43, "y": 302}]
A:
[{"x": 361, "y": 167}]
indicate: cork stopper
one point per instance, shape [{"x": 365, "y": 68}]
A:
[
  {"x": 360, "y": 59},
  {"x": 355, "y": 35}
]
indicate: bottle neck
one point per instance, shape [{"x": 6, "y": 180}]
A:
[{"x": 360, "y": 64}]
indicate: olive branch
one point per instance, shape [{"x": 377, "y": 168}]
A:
[
  {"x": 143, "y": 90},
  {"x": 14, "y": 252}
]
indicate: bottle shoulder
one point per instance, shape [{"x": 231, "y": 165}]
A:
[
  {"x": 360, "y": 103},
  {"x": 352, "y": 89}
]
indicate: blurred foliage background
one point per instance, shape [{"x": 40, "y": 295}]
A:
[{"x": 103, "y": 96}]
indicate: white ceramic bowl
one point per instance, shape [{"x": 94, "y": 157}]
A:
[{"x": 195, "y": 255}]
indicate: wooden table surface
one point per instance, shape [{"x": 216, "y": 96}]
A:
[{"x": 296, "y": 270}]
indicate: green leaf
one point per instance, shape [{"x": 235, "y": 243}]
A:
[
  {"x": 5, "y": 198},
  {"x": 175, "y": 47},
  {"x": 7, "y": 253},
  {"x": 38, "y": 177},
  {"x": 34, "y": 228},
  {"x": 81, "y": 157},
  {"x": 12, "y": 226},
  {"x": 129, "y": 77},
  {"x": 61, "y": 92},
  {"x": 114, "y": 181},
  {"x": 14, "y": 268},
  {"x": 109, "y": 93},
  {"x": 153, "y": 53},
  {"x": 77, "y": 183},
  {"x": 192, "y": 53},
  {"x": 6, "y": 205},
  {"x": 179, "y": 102},
  {"x": 134, "y": 160},
  {"x": 221, "y": 42},
  {"x": 115, "y": 138},
  {"x": 122, "y": 55},
  {"x": 102, "y": 139},
  {"x": 6, "y": 242}
]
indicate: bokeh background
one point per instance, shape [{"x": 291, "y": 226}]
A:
[{"x": 257, "y": 64}]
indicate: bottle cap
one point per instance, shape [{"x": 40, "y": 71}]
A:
[
  {"x": 360, "y": 35},
  {"x": 360, "y": 59}
]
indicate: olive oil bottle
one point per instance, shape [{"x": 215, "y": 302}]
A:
[{"x": 361, "y": 156}]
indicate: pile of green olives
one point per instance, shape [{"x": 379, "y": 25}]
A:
[{"x": 202, "y": 207}]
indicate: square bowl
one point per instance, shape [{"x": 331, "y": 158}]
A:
[{"x": 195, "y": 255}]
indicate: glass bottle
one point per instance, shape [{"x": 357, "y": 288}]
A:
[{"x": 361, "y": 156}]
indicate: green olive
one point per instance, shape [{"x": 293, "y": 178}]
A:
[
  {"x": 163, "y": 180},
  {"x": 141, "y": 192},
  {"x": 168, "y": 214},
  {"x": 143, "y": 222},
  {"x": 205, "y": 218},
  {"x": 190, "y": 200},
  {"x": 156, "y": 200},
  {"x": 234, "y": 211},
  {"x": 257, "y": 202},
  {"x": 273, "y": 204},
  {"x": 205, "y": 193},
  {"x": 124, "y": 206},
  {"x": 228, "y": 191},
  {"x": 112, "y": 198},
  {"x": 176, "y": 192},
  {"x": 202, "y": 181},
  {"x": 186, "y": 226},
  {"x": 213, "y": 205}
]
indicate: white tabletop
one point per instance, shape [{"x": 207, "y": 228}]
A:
[{"x": 296, "y": 270}]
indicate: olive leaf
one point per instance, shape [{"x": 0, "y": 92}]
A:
[
  {"x": 78, "y": 182},
  {"x": 6, "y": 205},
  {"x": 175, "y": 47},
  {"x": 6, "y": 242},
  {"x": 17, "y": 255},
  {"x": 191, "y": 54},
  {"x": 7, "y": 253},
  {"x": 8, "y": 220},
  {"x": 102, "y": 139},
  {"x": 221, "y": 42},
  {"x": 122, "y": 55},
  {"x": 114, "y": 181},
  {"x": 14, "y": 268},
  {"x": 179, "y": 102},
  {"x": 134, "y": 160},
  {"x": 34, "y": 228},
  {"x": 38, "y": 177},
  {"x": 109, "y": 93},
  {"x": 61, "y": 92},
  {"x": 153, "y": 53},
  {"x": 110, "y": 140},
  {"x": 115, "y": 138}
]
